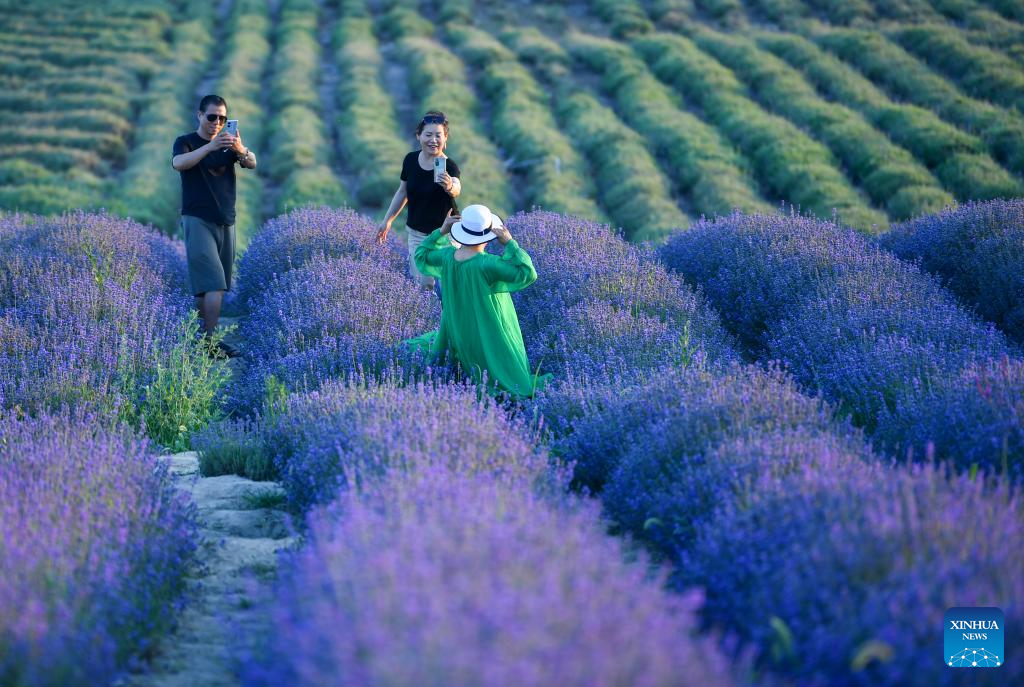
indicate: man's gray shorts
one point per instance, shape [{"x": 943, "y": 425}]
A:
[{"x": 210, "y": 250}]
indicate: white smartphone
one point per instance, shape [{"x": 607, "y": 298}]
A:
[
  {"x": 439, "y": 168},
  {"x": 232, "y": 127}
]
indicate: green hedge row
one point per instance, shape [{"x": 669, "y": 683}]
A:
[
  {"x": 542, "y": 159},
  {"x": 781, "y": 12},
  {"x": 981, "y": 71},
  {"x": 625, "y": 17},
  {"x": 890, "y": 175},
  {"x": 907, "y": 10},
  {"x": 957, "y": 158},
  {"x": 730, "y": 12},
  {"x": 630, "y": 186},
  {"x": 438, "y": 81},
  {"x": 298, "y": 149},
  {"x": 671, "y": 15},
  {"x": 149, "y": 190},
  {"x": 1012, "y": 9},
  {"x": 789, "y": 164},
  {"x": 67, "y": 103},
  {"x": 844, "y": 11},
  {"x": 246, "y": 57},
  {"x": 890, "y": 66},
  {"x": 371, "y": 146},
  {"x": 699, "y": 161}
]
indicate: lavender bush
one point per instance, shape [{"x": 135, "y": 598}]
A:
[
  {"x": 849, "y": 319},
  {"x": 330, "y": 318},
  {"x": 94, "y": 542},
  {"x": 291, "y": 240},
  {"x": 94, "y": 318},
  {"x": 602, "y": 306},
  {"x": 663, "y": 481},
  {"x": 321, "y": 441},
  {"x": 975, "y": 419},
  {"x": 441, "y": 577},
  {"x": 976, "y": 250},
  {"x": 842, "y": 571}
]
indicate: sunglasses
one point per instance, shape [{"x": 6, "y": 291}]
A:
[
  {"x": 435, "y": 119},
  {"x": 216, "y": 118}
]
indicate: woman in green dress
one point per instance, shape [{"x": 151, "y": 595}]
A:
[{"x": 479, "y": 327}]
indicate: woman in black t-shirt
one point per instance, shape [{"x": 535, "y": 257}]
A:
[{"x": 429, "y": 200}]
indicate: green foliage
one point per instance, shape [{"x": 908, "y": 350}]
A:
[
  {"x": 233, "y": 447},
  {"x": 149, "y": 189},
  {"x": 671, "y": 15},
  {"x": 552, "y": 172},
  {"x": 845, "y": 11},
  {"x": 937, "y": 144},
  {"x": 789, "y": 163},
  {"x": 700, "y": 162},
  {"x": 299, "y": 150},
  {"x": 626, "y": 17},
  {"x": 982, "y": 72},
  {"x": 870, "y": 158},
  {"x": 182, "y": 396},
  {"x": 726, "y": 11},
  {"x": 906, "y": 78},
  {"x": 370, "y": 145},
  {"x": 633, "y": 190}
]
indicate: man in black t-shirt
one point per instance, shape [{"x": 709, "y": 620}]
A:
[{"x": 206, "y": 159}]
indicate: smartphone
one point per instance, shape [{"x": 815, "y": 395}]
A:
[
  {"x": 232, "y": 127},
  {"x": 439, "y": 168}
]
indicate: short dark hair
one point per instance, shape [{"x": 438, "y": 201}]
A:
[
  {"x": 211, "y": 100},
  {"x": 433, "y": 115}
]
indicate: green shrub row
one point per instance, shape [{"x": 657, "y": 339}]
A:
[
  {"x": 782, "y": 12},
  {"x": 908, "y": 10},
  {"x": 957, "y": 158},
  {"x": 890, "y": 66},
  {"x": 890, "y": 176},
  {"x": 981, "y": 71},
  {"x": 438, "y": 81},
  {"x": 544, "y": 56},
  {"x": 671, "y": 15},
  {"x": 372, "y": 144},
  {"x": 729, "y": 12},
  {"x": 789, "y": 164},
  {"x": 66, "y": 107},
  {"x": 298, "y": 150},
  {"x": 625, "y": 17},
  {"x": 246, "y": 57},
  {"x": 149, "y": 190},
  {"x": 1011, "y": 9},
  {"x": 542, "y": 159},
  {"x": 703, "y": 166},
  {"x": 630, "y": 186},
  {"x": 844, "y": 11}
]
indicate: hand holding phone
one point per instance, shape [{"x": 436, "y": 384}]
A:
[{"x": 440, "y": 167}]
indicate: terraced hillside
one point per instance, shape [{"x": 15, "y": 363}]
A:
[{"x": 645, "y": 114}]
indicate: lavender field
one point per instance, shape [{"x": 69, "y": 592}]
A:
[{"x": 780, "y": 248}]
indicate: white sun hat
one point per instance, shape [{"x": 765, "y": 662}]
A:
[{"x": 474, "y": 227}]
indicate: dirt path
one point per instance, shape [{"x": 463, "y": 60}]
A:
[
  {"x": 242, "y": 529},
  {"x": 240, "y": 539}
]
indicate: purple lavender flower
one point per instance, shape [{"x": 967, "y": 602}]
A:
[
  {"x": 976, "y": 250},
  {"x": 291, "y": 240},
  {"x": 440, "y": 577},
  {"x": 94, "y": 542}
]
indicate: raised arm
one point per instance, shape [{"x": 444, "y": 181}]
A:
[{"x": 514, "y": 270}]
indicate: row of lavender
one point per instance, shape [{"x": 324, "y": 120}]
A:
[
  {"x": 827, "y": 559},
  {"x": 835, "y": 562},
  {"x": 93, "y": 348},
  {"x": 443, "y": 545}
]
